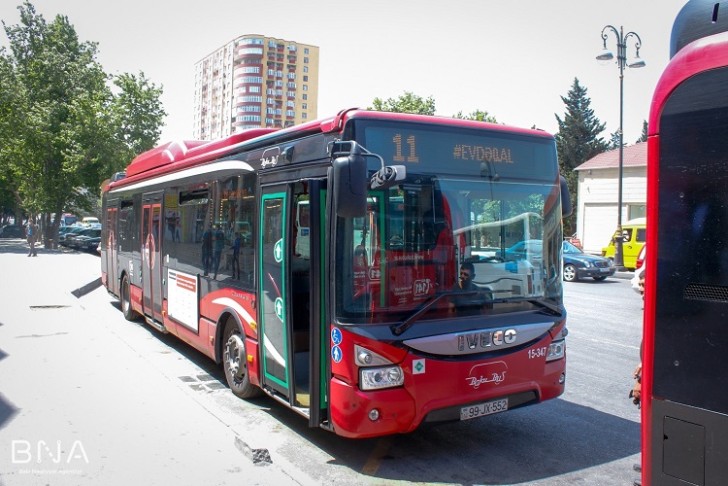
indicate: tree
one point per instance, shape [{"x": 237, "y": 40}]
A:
[
  {"x": 614, "y": 141},
  {"x": 137, "y": 112},
  {"x": 9, "y": 96},
  {"x": 70, "y": 131},
  {"x": 643, "y": 136},
  {"x": 406, "y": 103},
  {"x": 577, "y": 140},
  {"x": 477, "y": 115}
]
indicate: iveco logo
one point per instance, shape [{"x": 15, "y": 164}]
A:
[{"x": 485, "y": 339}]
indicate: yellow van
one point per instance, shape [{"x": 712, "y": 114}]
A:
[{"x": 633, "y": 234}]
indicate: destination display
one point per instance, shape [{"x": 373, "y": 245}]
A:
[{"x": 484, "y": 152}]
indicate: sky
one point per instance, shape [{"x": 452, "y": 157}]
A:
[{"x": 513, "y": 59}]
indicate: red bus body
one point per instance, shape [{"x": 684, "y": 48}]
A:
[
  {"x": 684, "y": 385},
  {"x": 314, "y": 304}
]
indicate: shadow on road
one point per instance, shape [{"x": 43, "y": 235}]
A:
[
  {"x": 20, "y": 247},
  {"x": 521, "y": 446},
  {"x": 553, "y": 438},
  {"x": 7, "y": 410}
]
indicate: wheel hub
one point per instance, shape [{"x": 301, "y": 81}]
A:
[{"x": 235, "y": 351}]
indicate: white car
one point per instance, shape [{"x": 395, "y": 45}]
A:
[
  {"x": 638, "y": 276},
  {"x": 640, "y": 263},
  {"x": 90, "y": 220}
]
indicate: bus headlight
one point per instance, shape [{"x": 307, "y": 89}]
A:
[
  {"x": 556, "y": 350},
  {"x": 377, "y": 378},
  {"x": 365, "y": 357}
]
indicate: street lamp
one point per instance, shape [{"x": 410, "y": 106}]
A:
[{"x": 606, "y": 55}]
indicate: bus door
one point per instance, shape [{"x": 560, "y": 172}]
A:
[
  {"x": 112, "y": 250},
  {"x": 151, "y": 257},
  {"x": 289, "y": 303}
]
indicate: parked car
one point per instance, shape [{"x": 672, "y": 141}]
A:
[
  {"x": 87, "y": 243},
  {"x": 79, "y": 240},
  {"x": 578, "y": 264},
  {"x": 12, "y": 231},
  {"x": 637, "y": 281},
  {"x": 633, "y": 239},
  {"x": 70, "y": 233},
  {"x": 640, "y": 258},
  {"x": 89, "y": 221}
]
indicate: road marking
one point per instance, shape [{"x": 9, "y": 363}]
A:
[{"x": 375, "y": 458}]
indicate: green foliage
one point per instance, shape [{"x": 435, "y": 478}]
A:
[
  {"x": 477, "y": 115},
  {"x": 577, "y": 141},
  {"x": 643, "y": 136},
  {"x": 406, "y": 103},
  {"x": 614, "y": 141},
  {"x": 63, "y": 130}
]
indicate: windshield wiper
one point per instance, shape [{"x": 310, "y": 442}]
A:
[
  {"x": 407, "y": 323},
  {"x": 397, "y": 330},
  {"x": 550, "y": 308}
]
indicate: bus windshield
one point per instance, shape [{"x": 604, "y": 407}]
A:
[
  {"x": 415, "y": 237},
  {"x": 477, "y": 199}
]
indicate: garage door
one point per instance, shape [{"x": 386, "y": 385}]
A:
[{"x": 600, "y": 222}]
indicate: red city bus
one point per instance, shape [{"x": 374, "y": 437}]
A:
[
  {"x": 318, "y": 265},
  {"x": 684, "y": 384}
]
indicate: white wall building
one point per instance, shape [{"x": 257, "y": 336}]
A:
[
  {"x": 596, "y": 211},
  {"x": 255, "y": 81}
]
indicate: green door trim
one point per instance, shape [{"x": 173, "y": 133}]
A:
[{"x": 280, "y": 246}]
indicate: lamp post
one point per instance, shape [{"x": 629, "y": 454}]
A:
[{"x": 606, "y": 55}]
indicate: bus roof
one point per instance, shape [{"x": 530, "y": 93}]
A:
[
  {"x": 700, "y": 55},
  {"x": 186, "y": 153}
]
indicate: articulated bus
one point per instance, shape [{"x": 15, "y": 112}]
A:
[
  {"x": 684, "y": 381},
  {"x": 318, "y": 264}
]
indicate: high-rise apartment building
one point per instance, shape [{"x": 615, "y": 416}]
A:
[{"x": 252, "y": 82}]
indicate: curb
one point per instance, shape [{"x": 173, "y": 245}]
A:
[{"x": 625, "y": 275}]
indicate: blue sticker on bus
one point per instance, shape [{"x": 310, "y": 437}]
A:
[
  {"x": 336, "y": 336},
  {"x": 336, "y": 354}
]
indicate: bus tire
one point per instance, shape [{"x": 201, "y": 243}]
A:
[
  {"x": 125, "y": 299},
  {"x": 235, "y": 363}
]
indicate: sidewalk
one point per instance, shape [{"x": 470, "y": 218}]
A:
[{"x": 81, "y": 402}]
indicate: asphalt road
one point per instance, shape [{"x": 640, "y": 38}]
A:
[{"x": 125, "y": 404}]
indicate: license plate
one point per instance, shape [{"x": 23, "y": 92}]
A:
[
  {"x": 604, "y": 270},
  {"x": 480, "y": 409}
]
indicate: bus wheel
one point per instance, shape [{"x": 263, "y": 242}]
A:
[
  {"x": 126, "y": 309},
  {"x": 235, "y": 363}
]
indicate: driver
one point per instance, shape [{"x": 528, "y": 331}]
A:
[{"x": 475, "y": 297}]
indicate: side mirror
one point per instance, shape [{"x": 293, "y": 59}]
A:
[
  {"x": 566, "y": 207},
  {"x": 350, "y": 185}
]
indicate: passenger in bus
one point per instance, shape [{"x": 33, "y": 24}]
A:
[
  {"x": 474, "y": 298},
  {"x": 361, "y": 275},
  {"x": 218, "y": 246},
  {"x": 236, "y": 256},
  {"x": 207, "y": 250}
]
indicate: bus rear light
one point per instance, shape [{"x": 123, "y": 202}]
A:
[
  {"x": 374, "y": 415},
  {"x": 556, "y": 350},
  {"x": 378, "y": 378}
]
